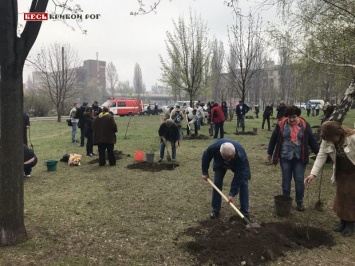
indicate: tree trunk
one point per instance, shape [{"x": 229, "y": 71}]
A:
[
  {"x": 12, "y": 228},
  {"x": 341, "y": 110}
]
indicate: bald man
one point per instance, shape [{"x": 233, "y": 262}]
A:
[{"x": 228, "y": 154}]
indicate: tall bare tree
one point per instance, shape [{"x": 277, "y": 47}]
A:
[
  {"x": 247, "y": 48},
  {"x": 58, "y": 69},
  {"x": 188, "y": 56},
  {"x": 138, "y": 80},
  {"x": 217, "y": 62},
  {"x": 111, "y": 79}
]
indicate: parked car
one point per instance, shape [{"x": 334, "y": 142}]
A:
[
  {"x": 152, "y": 106},
  {"x": 300, "y": 105}
]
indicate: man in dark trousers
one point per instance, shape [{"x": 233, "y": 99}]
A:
[
  {"x": 266, "y": 116},
  {"x": 168, "y": 131},
  {"x": 241, "y": 110},
  {"x": 80, "y": 115},
  {"x": 228, "y": 154},
  {"x": 104, "y": 128}
]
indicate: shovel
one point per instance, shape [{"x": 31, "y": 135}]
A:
[
  {"x": 250, "y": 224},
  {"x": 168, "y": 157}
]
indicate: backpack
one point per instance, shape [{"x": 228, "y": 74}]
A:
[
  {"x": 178, "y": 117},
  {"x": 73, "y": 114}
]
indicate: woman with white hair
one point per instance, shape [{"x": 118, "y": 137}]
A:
[{"x": 228, "y": 154}]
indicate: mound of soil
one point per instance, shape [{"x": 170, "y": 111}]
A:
[
  {"x": 152, "y": 167},
  {"x": 231, "y": 243},
  {"x": 118, "y": 155},
  {"x": 193, "y": 136},
  {"x": 245, "y": 133}
]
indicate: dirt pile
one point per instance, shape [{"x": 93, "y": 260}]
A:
[
  {"x": 153, "y": 167},
  {"x": 230, "y": 243}
]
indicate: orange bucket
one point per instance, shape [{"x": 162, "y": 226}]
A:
[{"x": 138, "y": 156}]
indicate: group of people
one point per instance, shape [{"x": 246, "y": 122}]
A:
[
  {"x": 289, "y": 145},
  {"x": 98, "y": 127}
]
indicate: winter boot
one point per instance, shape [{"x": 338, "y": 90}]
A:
[
  {"x": 349, "y": 229},
  {"x": 340, "y": 226}
]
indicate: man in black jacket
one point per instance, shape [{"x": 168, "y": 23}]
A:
[
  {"x": 168, "y": 131},
  {"x": 80, "y": 115}
]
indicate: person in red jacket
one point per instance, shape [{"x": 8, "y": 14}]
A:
[{"x": 217, "y": 118}]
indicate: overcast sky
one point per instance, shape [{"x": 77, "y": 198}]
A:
[{"x": 126, "y": 40}]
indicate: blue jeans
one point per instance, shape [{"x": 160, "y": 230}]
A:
[
  {"x": 243, "y": 191},
  {"x": 241, "y": 119},
  {"x": 73, "y": 130},
  {"x": 173, "y": 149},
  {"x": 296, "y": 168}
]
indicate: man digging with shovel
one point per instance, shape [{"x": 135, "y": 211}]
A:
[
  {"x": 228, "y": 154},
  {"x": 168, "y": 131}
]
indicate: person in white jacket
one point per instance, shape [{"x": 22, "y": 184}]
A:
[{"x": 338, "y": 142}]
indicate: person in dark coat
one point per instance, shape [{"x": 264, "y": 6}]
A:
[
  {"x": 104, "y": 128},
  {"x": 266, "y": 116},
  {"x": 228, "y": 154},
  {"x": 241, "y": 109},
  {"x": 80, "y": 115},
  {"x": 96, "y": 109},
  {"x": 168, "y": 131},
  {"x": 289, "y": 144},
  {"x": 88, "y": 118},
  {"x": 225, "y": 109},
  {"x": 30, "y": 160},
  {"x": 26, "y": 125},
  {"x": 257, "y": 110},
  {"x": 281, "y": 110}
]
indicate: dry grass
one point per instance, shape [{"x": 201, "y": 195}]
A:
[{"x": 90, "y": 215}]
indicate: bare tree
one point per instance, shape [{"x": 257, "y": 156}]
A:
[
  {"x": 188, "y": 56},
  {"x": 111, "y": 79},
  {"x": 57, "y": 73},
  {"x": 217, "y": 62},
  {"x": 247, "y": 48},
  {"x": 138, "y": 80}
]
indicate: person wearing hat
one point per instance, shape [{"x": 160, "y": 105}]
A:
[
  {"x": 177, "y": 116},
  {"x": 168, "y": 131}
]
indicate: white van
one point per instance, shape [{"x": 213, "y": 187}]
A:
[{"x": 314, "y": 102}]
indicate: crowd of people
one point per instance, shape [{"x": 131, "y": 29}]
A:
[{"x": 290, "y": 144}]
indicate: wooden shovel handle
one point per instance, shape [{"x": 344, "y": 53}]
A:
[{"x": 226, "y": 199}]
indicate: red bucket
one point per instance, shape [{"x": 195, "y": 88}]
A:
[{"x": 138, "y": 156}]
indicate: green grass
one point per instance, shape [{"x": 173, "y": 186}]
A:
[{"x": 91, "y": 215}]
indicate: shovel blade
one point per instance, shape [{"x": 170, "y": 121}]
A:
[{"x": 168, "y": 157}]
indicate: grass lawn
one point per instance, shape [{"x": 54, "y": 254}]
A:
[{"x": 91, "y": 215}]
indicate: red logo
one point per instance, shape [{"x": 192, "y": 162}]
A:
[{"x": 35, "y": 16}]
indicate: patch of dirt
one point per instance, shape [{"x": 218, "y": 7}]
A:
[
  {"x": 245, "y": 133},
  {"x": 193, "y": 136},
  {"x": 118, "y": 155},
  {"x": 218, "y": 242},
  {"x": 152, "y": 167}
]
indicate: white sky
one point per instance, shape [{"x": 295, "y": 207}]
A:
[{"x": 126, "y": 40}]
